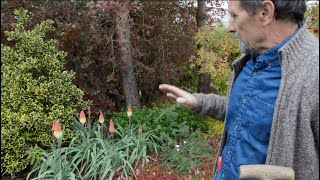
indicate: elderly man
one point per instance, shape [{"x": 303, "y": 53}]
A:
[{"x": 271, "y": 111}]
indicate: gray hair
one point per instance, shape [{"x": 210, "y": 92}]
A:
[{"x": 292, "y": 10}]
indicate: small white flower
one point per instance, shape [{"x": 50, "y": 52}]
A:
[
  {"x": 177, "y": 146},
  {"x": 178, "y": 149},
  {"x": 184, "y": 142}
]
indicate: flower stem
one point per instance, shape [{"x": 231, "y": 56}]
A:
[
  {"x": 59, "y": 155},
  {"x": 112, "y": 143},
  {"x": 89, "y": 122},
  {"x": 102, "y": 131},
  {"x": 130, "y": 126}
]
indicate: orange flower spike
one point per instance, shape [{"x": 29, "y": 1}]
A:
[
  {"x": 101, "y": 118},
  {"x": 56, "y": 128},
  {"x": 111, "y": 126},
  {"x": 140, "y": 129},
  {"x": 129, "y": 112},
  {"x": 82, "y": 117}
]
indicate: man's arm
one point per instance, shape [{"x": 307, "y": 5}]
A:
[
  {"x": 211, "y": 105},
  {"x": 203, "y": 104}
]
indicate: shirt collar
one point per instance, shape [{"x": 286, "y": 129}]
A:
[{"x": 272, "y": 53}]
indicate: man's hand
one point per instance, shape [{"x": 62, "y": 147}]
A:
[{"x": 182, "y": 97}]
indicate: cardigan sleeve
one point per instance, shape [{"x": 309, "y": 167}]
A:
[{"x": 211, "y": 105}]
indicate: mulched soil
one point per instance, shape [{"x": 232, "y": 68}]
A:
[{"x": 160, "y": 171}]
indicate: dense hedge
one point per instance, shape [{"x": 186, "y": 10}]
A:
[{"x": 35, "y": 89}]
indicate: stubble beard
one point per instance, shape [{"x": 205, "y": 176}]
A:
[{"x": 245, "y": 48}]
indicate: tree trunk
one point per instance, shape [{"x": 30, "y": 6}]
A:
[
  {"x": 129, "y": 84},
  {"x": 204, "y": 78}
]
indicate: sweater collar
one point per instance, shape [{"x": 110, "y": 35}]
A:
[
  {"x": 271, "y": 54},
  {"x": 296, "y": 51}
]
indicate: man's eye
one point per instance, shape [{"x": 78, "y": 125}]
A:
[{"x": 232, "y": 15}]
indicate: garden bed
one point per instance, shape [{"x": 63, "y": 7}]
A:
[{"x": 157, "y": 169}]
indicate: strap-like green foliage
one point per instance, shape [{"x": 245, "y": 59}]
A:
[
  {"x": 94, "y": 152},
  {"x": 35, "y": 89}
]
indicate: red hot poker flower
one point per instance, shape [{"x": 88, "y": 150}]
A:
[
  {"x": 82, "y": 117},
  {"x": 111, "y": 126},
  {"x": 56, "y": 128},
  {"x": 101, "y": 118},
  {"x": 129, "y": 112}
]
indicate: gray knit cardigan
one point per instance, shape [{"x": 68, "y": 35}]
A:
[{"x": 294, "y": 137}]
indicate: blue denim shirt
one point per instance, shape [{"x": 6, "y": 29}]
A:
[{"x": 250, "y": 111}]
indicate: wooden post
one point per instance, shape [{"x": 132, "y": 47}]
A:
[{"x": 266, "y": 172}]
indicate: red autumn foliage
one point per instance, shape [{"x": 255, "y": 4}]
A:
[{"x": 161, "y": 44}]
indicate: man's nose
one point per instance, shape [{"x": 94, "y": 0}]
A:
[{"x": 231, "y": 27}]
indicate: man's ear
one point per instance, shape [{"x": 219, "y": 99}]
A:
[{"x": 266, "y": 13}]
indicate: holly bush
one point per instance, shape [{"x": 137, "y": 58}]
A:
[{"x": 35, "y": 89}]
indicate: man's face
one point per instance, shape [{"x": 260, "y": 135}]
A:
[
  {"x": 247, "y": 28},
  {"x": 243, "y": 46}
]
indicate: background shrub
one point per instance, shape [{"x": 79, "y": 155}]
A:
[
  {"x": 182, "y": 132},
  {"x": 219, "y": 49},
  {"x": 215, "y": 127},
  {"x": 188, "y": 153},
  {"x": 168, "y": 119},
  {"x": 312, "y": 18},
  {"x": 35, "y": 89}
]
